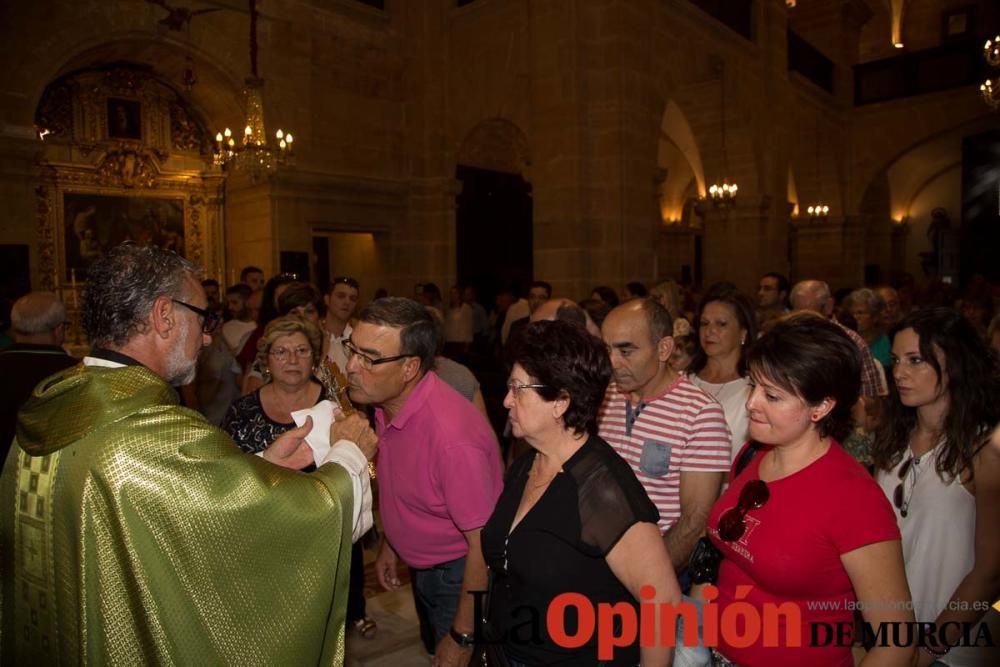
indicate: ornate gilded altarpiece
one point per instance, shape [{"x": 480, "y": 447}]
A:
[{"x": 126, "y": 157}]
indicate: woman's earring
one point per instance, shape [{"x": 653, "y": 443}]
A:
[{"x": 266, "y": 374}]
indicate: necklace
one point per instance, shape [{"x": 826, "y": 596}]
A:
[{"x": 547, "y": 480}]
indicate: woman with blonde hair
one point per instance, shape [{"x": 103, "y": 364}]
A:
[
  {"x": 668, "y": 294},
  {"x": 287, "y": 352}
]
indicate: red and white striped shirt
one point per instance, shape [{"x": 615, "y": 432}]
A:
[{"x": 684, "y": 429}]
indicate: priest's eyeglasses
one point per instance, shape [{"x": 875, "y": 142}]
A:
[
  {"x": 210, "y": 320},
  {"x": 367, "y": 362}
]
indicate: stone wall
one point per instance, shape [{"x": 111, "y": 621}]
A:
[{"x": 386, "y": 104}]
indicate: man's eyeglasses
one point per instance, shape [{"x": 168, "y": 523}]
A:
[
  {"x": 210, "y": 319},
  {"x": 515, "y": 387},
  {"x": 899, "y": 494},
  {"x": 283, "y": 353},
  {"x": 367, "y": 362},
  {"x": 732, "y": 525},
  {"x": 345, "y": 280}
]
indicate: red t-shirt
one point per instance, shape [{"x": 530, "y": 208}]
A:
[{"x": 790, "y": 552}]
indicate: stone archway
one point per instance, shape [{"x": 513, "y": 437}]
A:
[
  {"x": 899, "y": 201},
  {"x": 123, "y": 156}
]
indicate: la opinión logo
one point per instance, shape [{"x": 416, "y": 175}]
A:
[{"x": 739, "y": 624}]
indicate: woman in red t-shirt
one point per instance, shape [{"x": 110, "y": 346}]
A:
[{"x": 803, "y": 523}]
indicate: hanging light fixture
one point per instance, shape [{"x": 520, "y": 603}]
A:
[
  {"x": 990, "y": 88},
  {"x": 723, "y": 195},
  {"x": 254, "y": 154}
]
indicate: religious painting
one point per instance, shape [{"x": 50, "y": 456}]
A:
[
  {"x": 94, "y": 223},
  {"x": 124, "y": 119},
  {"x": 957, "y": 23}
]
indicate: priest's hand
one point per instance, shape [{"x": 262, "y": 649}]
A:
[
  {"x": 354, "y": 427},
  {"x": 290, "y": 449}
]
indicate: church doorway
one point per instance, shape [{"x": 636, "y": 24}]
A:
[{"x": 494, "y": 232}]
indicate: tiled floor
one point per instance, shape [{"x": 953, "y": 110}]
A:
[{"x": 397, "y": 641}]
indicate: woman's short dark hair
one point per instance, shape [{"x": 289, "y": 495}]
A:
[
  {"x": 746, "y": 317},
  {"x": 973, "y": 388},
  {"x": 122, "y": 286},
  {"x": 811, "y": 357},
  {"x": 608, "y": 295},
  {"x": 637, "y": 289},
  {"x": 596, "y": 308},
  {"x": 420, "y": 332},
  {"x": 570, "y": 363},
  {"x": 268, "y": 308},
  {"x": 298, "y": 295}
]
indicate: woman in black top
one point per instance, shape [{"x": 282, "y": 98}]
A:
[{"x": 572, "y": 517}]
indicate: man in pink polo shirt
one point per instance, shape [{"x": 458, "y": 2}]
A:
[{"x": 439, "y": 470}]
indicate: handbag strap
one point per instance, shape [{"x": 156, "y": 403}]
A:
[{"x": 745, "y": 457}]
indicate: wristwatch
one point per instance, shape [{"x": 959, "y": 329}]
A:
[{"x": 462, "y": 639}]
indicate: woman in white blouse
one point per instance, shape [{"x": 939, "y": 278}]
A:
[{"x": 727, "y": 325}]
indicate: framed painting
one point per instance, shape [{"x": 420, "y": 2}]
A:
[
  {"x": 94, "y": 223},
  {"x": 124, "y": 119},
  {"x": 957, "y": 23}
]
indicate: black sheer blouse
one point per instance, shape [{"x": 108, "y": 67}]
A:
[
  {"x": 559, "y": 547},
  {"x": 250, "y": 427}
]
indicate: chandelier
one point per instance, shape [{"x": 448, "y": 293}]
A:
[
  {"x": 254, "y": 154},
  {"x": 723, "y": 195},
  {"x": 991, "y": 87}
]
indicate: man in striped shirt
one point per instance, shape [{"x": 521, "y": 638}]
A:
[{"x": 672, "y": 433}]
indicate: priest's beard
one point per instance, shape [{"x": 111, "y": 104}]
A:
[{"x": 181, "y": 370}]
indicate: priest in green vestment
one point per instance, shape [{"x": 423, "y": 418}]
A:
[{"x": 136, "y": 533}]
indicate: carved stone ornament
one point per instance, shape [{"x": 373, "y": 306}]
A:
[
  {"x": 496, "y": 144},
  {"x": 55, "y": 111},
  {"x": 127, "y": 168},
  {"x": 46, "y": 237},
  {"x": 185, "y": 133}
]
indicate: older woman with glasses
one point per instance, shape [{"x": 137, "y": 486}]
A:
[
  {"x": 804, "y": 525},
  {"x": 288, "y": 351},
  {"x": 572, "y": 518}
]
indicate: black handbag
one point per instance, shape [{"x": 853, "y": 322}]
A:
[
  {"x": 703, "y": 566},
  {"x": 490, "y": 651}
]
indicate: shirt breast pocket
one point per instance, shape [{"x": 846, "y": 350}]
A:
[{"x": 655, "y": 459}]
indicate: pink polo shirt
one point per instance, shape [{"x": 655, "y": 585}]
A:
[{"x": 439, "y": 473}]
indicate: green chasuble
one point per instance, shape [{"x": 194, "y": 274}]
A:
[{"x": 136, "y": 533}]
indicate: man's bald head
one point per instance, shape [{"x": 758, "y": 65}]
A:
[
  {"x": 813, "y": 295},
  {"x": 549, "y": 310},
  {"x": 38, "y": 317},
  {"x": 567, "y": 311}
]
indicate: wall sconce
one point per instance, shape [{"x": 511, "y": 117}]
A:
[{"x": 817, "y": 212}]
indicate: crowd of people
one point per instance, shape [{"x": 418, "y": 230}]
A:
[{"x": 834, "y": 452}]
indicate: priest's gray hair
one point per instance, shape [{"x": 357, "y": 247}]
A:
[{"x": 122, "y": 286}]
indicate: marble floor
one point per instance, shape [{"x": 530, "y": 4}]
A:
[{"x": 397, "y": 642}]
